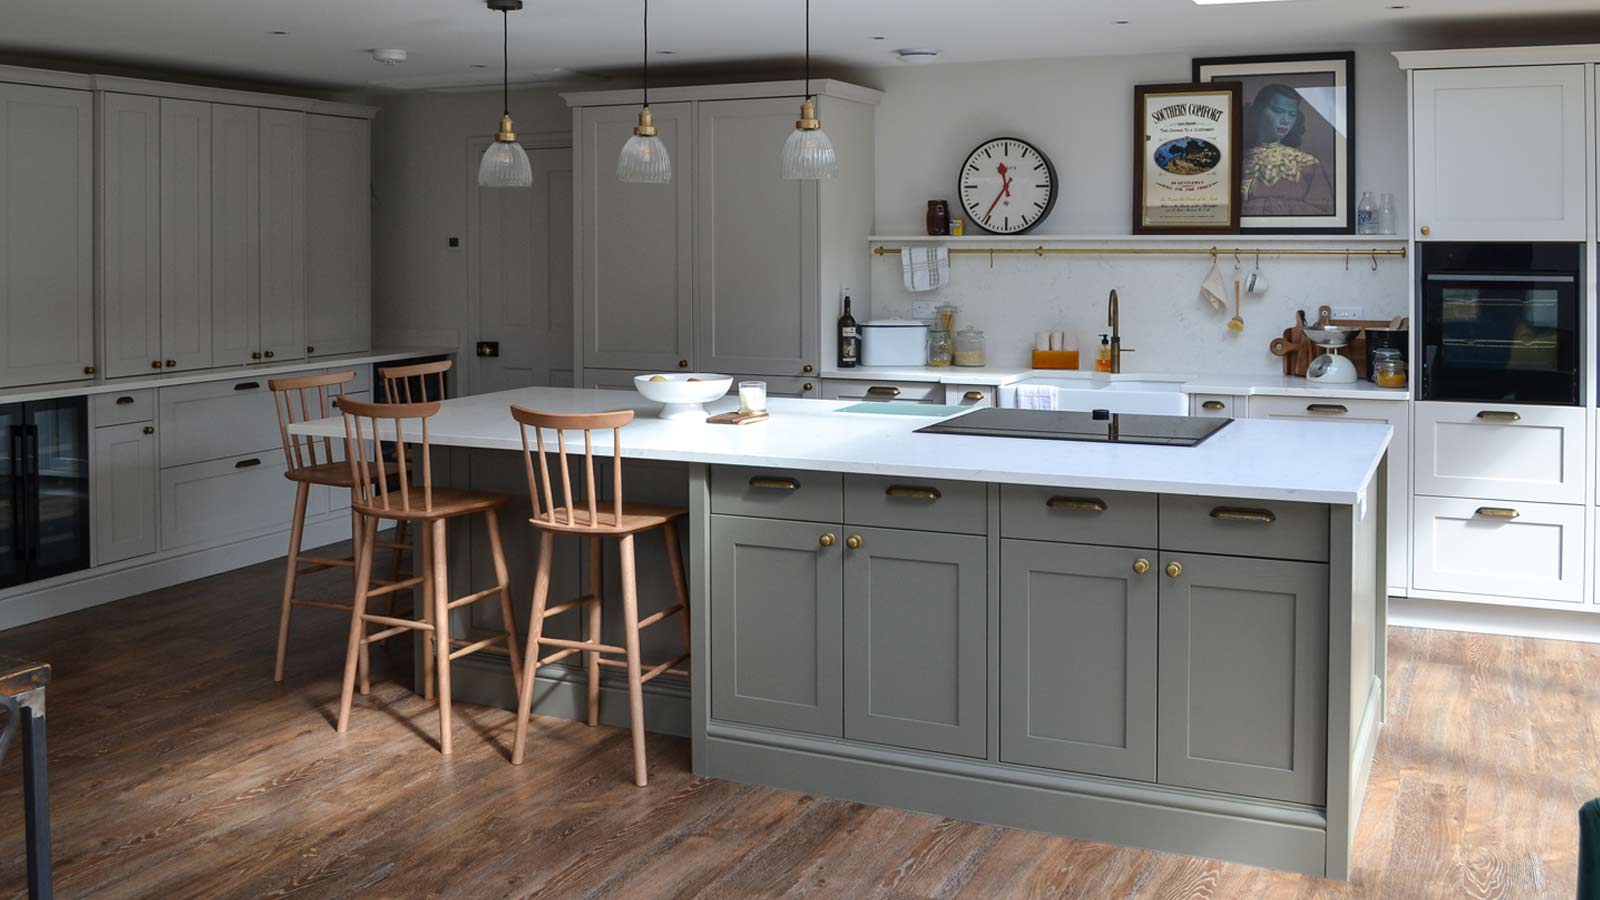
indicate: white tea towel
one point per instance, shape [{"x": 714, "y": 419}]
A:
[
  {"x": 925, "y": 268},
  {"x": 1036, "y": 396},
  {"x": 1214, "y": 289}
]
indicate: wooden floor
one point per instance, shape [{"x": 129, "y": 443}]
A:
[{"x": 179, "y": 770}]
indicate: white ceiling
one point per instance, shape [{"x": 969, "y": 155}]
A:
[{"x": 329, "y": 41}]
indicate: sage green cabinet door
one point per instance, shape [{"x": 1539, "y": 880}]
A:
[
  {"x": 186, "y": 261},
  {"x": 46, "y": 234},
  {"x": 915, "y": 640},
  {"x": 776, "y": 624},
  {"x": 235, "y": 234},
  {"x": 1078, "y": 658},
  {"x": 130, "y": 233},
  {"x": 338, "y": 235},
  {"x": 283, "y": 235},
  {"x": 756, "y": 243},
  {"x": 636, "y": 254},
  {"x": 1244, "y": 676}
]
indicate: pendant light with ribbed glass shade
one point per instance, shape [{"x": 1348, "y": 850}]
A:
[
  {"x": 644, "y": 158},
  {"x": 808, "y": 153},
  {"x": 505, "y": 163}
]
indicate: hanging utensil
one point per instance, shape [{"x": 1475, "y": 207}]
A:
[{"x": 1236, "y": 324}]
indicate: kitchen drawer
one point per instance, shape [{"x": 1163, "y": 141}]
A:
[
  {"x": 1216, "y": 406},
  {"x": 216, "y": 419},
  {"x": 1268, "y": 529},
  {"x": 1498, "y": 548},
  {"x": 923, "y": 504},
  {"x": 1530, "y": 453},
  {"x": 1078, "y": 516},
  {"x": 1333, "y": 409},
  {"x": 969, "y": 395},
  {"x": 221, "y": 500},
  {"x": 122, "y": 407},
  {"x": 895, "y": 391},
  {"x": 362, "y": 383},
  {"x": 776, "y": 493}
]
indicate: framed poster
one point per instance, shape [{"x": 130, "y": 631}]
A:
[
  {"x": 1299, "y": 147},
  {"x": 1186, "y": 158}
]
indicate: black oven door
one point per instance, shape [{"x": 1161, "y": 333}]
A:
[{"x": 1501, "y": 337}]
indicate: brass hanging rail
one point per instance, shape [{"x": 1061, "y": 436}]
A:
[{"x": 1347, "y": 253}]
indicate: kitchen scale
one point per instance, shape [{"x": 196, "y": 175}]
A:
[{"x": 1331, "y": 367}]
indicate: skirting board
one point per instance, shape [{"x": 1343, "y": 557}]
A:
[
  {"x": 92, "y": 587},
  {"x": 1487, "y": 618}
]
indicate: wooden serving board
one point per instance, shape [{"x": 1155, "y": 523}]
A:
[{"x": 737, "y": 418}]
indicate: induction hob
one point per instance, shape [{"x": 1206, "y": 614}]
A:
[{"x": 1098, "y": 426}]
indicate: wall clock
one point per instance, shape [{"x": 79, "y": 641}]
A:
[{"x": 1007, "y": 186}]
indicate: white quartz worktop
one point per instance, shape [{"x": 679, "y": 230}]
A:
[
  {"x": 1313, "y": 461},
  {"x": 223, "y": 373},
  {"x": 1242, "y": 385}
]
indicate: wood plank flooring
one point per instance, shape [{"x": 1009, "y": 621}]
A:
[{"x": 178, "y": 770}]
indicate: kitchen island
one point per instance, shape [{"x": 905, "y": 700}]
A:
[{"x": 1179, "y": 648}]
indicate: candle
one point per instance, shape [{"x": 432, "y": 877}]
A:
[{"x": 752, "y": 396}]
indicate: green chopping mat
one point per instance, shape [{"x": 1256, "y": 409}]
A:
[{"x": 902, "y": 409}]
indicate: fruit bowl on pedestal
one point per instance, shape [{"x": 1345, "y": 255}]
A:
[{"x": 683, "y": 395}]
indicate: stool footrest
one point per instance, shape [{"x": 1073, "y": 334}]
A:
[
  {"x": 392, "y": 586},
  {"x": 649, "y": 620},
  {"x": 391, "y": 545},
  {"x": 320, "y": 604},
  {"x": 475, "y": 646},
  {"x": 556, "y": 657},
  {"x": 400, "y": 623},
  {"x": 560, "y": 608},
  {"x": 325, "y": 562},
  {"x": 385, "y": 634},
  {"x": 474, "y": 598},
  {"x": 581, "y": 645},
  {"x": 652, "y": 672}
]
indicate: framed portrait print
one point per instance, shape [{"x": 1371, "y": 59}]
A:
[
  {"x": 1186, "y": 142},
  {"x": 1299, "y": 148}
]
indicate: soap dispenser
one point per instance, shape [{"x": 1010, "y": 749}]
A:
[{"x": 1102, "y": 357}]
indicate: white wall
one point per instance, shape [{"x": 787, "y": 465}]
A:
[{"x": 1079, "y": 111}]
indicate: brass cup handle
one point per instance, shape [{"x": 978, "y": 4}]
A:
[
  {"x": 854, "y": 542},
  {"x": 1085, "y": 504},
  {"x": 1500, "y": 415},
  {"x": 883, "y": 390},
  {"x": 769, "y": 483},
  {"x": 973, "y": 396},
  {"x": 1174, "y": 569},
  {"x": 912, "y": 492},
  {"x": 1333, "y": 409},
  {"x": 827, "y": 539},
  {"x": 1141, "y": 566},
  {"x": 1213, "y": 405},
  {"x": 1496, "y": 512},
  {"x": 1235, "y": 514}
]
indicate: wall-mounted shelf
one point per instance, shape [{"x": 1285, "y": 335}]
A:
[
  {"x": 1348, "y": 246},
  {"x": 978, "y": 240}
]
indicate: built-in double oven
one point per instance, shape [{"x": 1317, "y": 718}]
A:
[{"x": 1501, "y": 323}]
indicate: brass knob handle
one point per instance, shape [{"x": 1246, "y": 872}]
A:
[
  {"x": 806, "y": 387},
  {"x": 269, "y": 354},
  {"x": 1141, "y": 566},
  {"x": 827, "y": 539},
  {"x": 807, "y": 369},
  {"x": 973, "y": 396},
  {"x": 171, "y": 363},
  {"x": 683, "y": 364},
  {"x": 854, "y": 542},
  {"x": 155, "y": 363},
  {"x": 1174, "y": 569},
  {"x": 149, "y": 429},
  {"x": 88, "y": 370},
  {"x": 256, "y": 354},
  {"x": 1426, "y": 231},
  {"x": 1213, "y": 404}
]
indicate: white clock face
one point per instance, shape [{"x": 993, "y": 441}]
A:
[{"x": 1007, "y": 186}]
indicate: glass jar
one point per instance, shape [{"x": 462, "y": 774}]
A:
[
  {"x": 1388, "y": 368},
  {"x": 969, "y": 347},
  {"x": 941, "y": 349}
]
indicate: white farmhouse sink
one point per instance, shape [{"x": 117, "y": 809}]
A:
[{"x": 1159, "y": 398}]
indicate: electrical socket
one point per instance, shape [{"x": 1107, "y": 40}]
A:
[
  {"x": 1346, "y": 312},
  {"x": 923, "y": 309}
]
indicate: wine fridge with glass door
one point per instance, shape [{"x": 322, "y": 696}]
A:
[{"x": 44, "y": 490}]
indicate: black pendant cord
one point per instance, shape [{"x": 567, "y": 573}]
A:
[
  {"x": 808, "y": 49},
  {"x": 646, "y": 53},
  {"x": 505, "y": 61}
]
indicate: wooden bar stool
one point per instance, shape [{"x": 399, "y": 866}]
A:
[
  {"x": 372, "y": 498},
  {"x": 398, "y": 382},
  {"x": 621, "y": 521},
  {"x": 310, "y": 461}
]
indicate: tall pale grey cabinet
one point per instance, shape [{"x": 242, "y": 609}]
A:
[
  {"x": 46, "y": 234},
  {"x": 729, "y": 268},
  {"x": 339, "y": 235}
]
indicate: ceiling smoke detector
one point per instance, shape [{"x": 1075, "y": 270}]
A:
[
  {"x": 390, "y": 57},
  {"x": 916, "y": 55}
]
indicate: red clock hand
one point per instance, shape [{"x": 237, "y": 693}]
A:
[{"x": 1005, "y": 191}]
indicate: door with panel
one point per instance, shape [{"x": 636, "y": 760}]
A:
[
  {"x": 1077, "y": 662},
  {"x": 915, "y": 641},
  {"x": 777, "y": 624},
  {"x": 338, "y": 235},
  {"x": 186, "y": 239},
  {"x": 636, "y": 269},
  {"x": 520, "y": 274},
  {"x": 235, "y": 234},
  {"x": 1526, "y": 123},
  {"x": 1242, "y": 659},
  {"x": 756, "y": 243},
  {"x": 130, "y": 234},
  {"x": 125, "y": 485},
  {"x": 46, "y": 234},
  {"x": 282, "y": 320}
]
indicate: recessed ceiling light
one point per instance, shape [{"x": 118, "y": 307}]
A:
[
  {"x": 666, "y": 53},
  {"x": 1400, "y": 6},
  {"x": 479, "y": 66},
  {"x": 916, "y": 55},
  {"x": 1120, "y": 22},
  {"x": 390, "y": 56},
  {"x": 277, "y": 32},
  {"x": 877, "y": 37}
]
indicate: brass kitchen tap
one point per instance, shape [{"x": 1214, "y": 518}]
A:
[{"x": 1113, "y": 319}]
